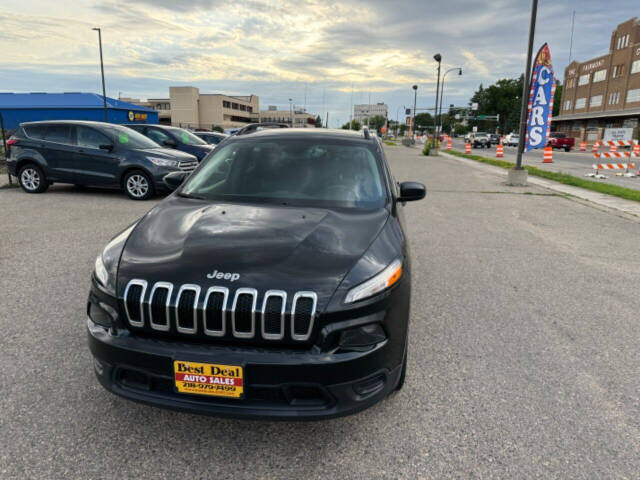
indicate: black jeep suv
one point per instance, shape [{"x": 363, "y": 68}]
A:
[
  {"x": 274, "y": 282},
  {"x": 93, "y": 154}
]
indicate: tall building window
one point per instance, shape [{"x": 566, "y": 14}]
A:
[
  {"x": 567, "y": 105},
  {"x": 599, "y": 76},
  {"x": 614, "y": 98},
  {"x": 596, "y": 101},
  {"x": 583, "y": 80},
  {"x": 226, "y": 104},
  {"x": 581, "y": 103},
  {"x": 635, "y": 66},
  {"x": 618, "y": 71},
  {"x": 633, "y": 95}
]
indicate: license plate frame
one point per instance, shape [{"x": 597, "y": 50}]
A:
[{"x": 208, "y": 379}]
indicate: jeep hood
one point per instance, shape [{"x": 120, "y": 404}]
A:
[{"x": 270, "y": 246}]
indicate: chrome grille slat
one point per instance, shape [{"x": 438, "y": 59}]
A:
[
  {"x": 265, "y": 303},
  {"x": 216, "y": 307},
  {"x": 166, "y": 325},
  {"x": 184, "y": 288},
  {"x": 223, "y": 314},
  {"x": 251, "y": 332},
  {"x": 312, "y": 314},
  {"x": 132, "y": 321}
]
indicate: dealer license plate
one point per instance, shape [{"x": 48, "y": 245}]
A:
[{"x": 208, "y": 379}]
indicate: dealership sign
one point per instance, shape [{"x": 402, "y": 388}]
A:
[
  {"x": 616, "y": 134},
  {"x": 540, "y": 108}
]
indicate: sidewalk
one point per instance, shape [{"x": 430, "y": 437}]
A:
[{"x": 609, "y": 202}]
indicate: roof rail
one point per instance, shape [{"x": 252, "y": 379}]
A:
[{"x": 253, "y": 127}]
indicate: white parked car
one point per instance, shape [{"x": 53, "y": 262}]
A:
[{"x": 511, "y": 140}]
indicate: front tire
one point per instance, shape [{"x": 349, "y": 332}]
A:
[
  {"x": 32, "y": 179},
  {"x": 138, "y": 185}
]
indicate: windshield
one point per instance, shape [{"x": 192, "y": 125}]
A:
[
  {"x": 322, "y": 172},
  {"x": 127, "y": 138},
  {"x": 185, "y": 137}
]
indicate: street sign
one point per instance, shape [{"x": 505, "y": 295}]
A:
[
  {"x": 475, "y": 128},
  {"x": 481, "y": 117},
  {"x": 474, "y": 106}
]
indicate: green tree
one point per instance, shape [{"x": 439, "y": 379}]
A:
[
  {"x": 403, "y": 128},
  {"x": 318, "y": 121},
  {"x": 557, "y": 100},
  {"x": 216, "y": 128},
  {"x": 377, "y": 122},
  {"x": 354, "y": 124},
  {"x": 424, "y": 121},
  {"x": 502, "y": 98}
]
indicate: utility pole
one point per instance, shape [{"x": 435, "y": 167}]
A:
[
  {"x": 438, "y": 58},
  {"x": 291, "y": 112},
  {"x": 519, "y": 175},
  {"x": 413, "y": 118},
  {"x": 104, "y": 90},
  {"x": 351, "y": 110}
]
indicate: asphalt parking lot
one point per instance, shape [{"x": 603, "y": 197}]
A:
[{"x": 523, "y": 363}]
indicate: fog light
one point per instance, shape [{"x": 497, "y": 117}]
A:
[
  {"x": 361, "y": 338},
  {"x": 99, "y": 315}
]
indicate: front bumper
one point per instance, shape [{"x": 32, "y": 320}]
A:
[{"x": 279, "y": 384}]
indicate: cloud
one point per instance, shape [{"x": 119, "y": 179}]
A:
[{"x": 315, "y": 51}]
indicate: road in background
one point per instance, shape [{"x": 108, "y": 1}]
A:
[
  {"x": 575, "y": 163},
  {"x": 523, "y": 350}
]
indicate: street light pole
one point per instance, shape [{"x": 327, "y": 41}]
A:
[
  {"x": 291, "y": 112},
  {"x": 438, "y": 58},
  {"x": 442, "y": 90},
  {"x": 525, "y": 86},
  {"x": 104, "y": 90},
  {"x": 413, "y": 119}
]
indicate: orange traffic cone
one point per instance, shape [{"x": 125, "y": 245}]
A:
[
  {"x": 467, "y": 147},
  {"x": 548, "y": 155},
  {"x": 448, "y": 143},
  {"x": 499, "y": 151},
  {"x": 595, "y": 147},
  {"x": 583, "y": 146}
]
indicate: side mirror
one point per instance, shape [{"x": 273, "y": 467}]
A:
[
  {"x": 410, "y": 191},
  {"x": 107, "y": 146},
  {"x": 169, "y": 143},
  {"x": 174, "y": 179}
]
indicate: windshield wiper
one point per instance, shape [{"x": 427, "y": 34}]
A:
[{"x": 190, "y": 195}]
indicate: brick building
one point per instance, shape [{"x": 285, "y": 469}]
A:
[{"x": 604, "y": 92}]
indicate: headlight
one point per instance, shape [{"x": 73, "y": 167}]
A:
[
  {"x": 163, "y": 162},
  {"x": 101, "y": 272},
  {"x": 106, "y": 265},
  {"x": 377, "y": 284}
]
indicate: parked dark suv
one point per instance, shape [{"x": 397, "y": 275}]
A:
[
  {"x": 212, "y": 138},
  {"x": 174, "y": 137},
  {"x": 275, "y": 282},
  {"x": 93, "y": 154}
]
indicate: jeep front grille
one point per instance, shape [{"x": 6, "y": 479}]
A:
[{"x": 217, "y": 312}]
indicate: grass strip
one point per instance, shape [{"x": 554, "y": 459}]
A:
[{"x": 565, "y": 178}]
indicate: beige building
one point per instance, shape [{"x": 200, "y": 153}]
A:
[
  {"x": 604, "y": 92},
  {"x": 363, "y": 112},
  {"x": 302, "y": 119},
  {"x": 187, "y": 107}
]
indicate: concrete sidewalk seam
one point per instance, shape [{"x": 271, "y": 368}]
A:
[{"x": 608, "y": 202}]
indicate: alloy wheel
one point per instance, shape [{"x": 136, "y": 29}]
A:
[
  {"x": 137, "y": 186},
  {"x": 30, "y": 179}
]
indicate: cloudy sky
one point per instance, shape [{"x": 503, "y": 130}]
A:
[{"x": 315, "y": 52}]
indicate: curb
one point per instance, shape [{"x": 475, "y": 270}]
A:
[{"x": 628, "y": 207}]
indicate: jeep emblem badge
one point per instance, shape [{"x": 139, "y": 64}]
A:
[{"x": 223, "y": 276}]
